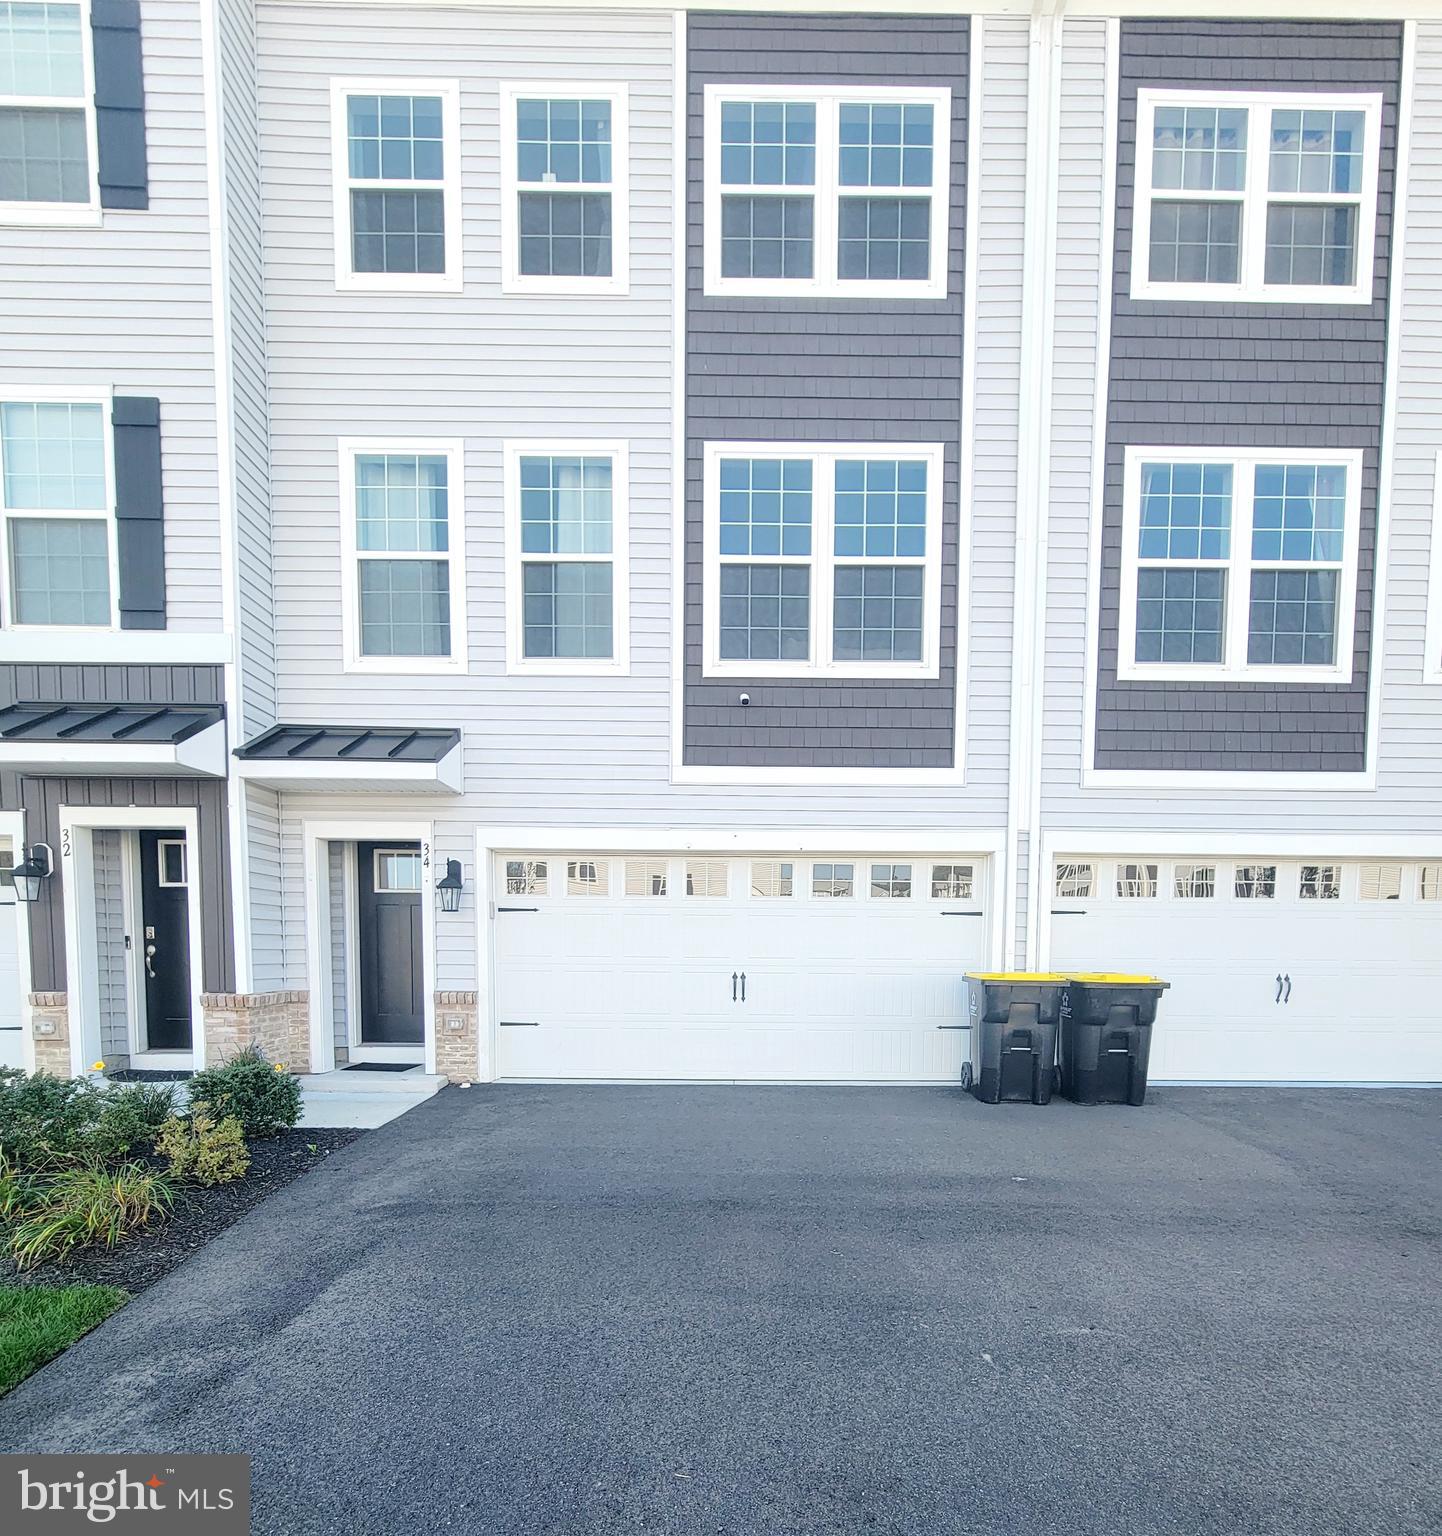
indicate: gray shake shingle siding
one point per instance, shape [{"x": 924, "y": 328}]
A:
[
  {"x": 869, "y": 370},
  {"x": 1244, "y": 375}
]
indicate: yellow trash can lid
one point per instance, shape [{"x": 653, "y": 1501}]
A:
[
  {"x": 1115, "y": 979},
  {"x": 1017, "y": 977}
]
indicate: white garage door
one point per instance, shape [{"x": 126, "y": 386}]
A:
[
  {"x": 1281, "y": 970},
  {"x": 837, "y": 968}
]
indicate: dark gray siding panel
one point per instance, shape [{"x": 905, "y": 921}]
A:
[
  {"x": 41, "y": 799},
  {"x": 139, "y": 513},
  {"x": 1245, "y": 375},
  {"x": 119, "y": 104},
  {"x": 35, "y": 684},
  {"x": 823, "y": 371}
]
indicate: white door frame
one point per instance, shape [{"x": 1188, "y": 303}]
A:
[
  {"x": 75, "y": 857},
  {"x": 12, "y": 825},
  {"x": 366, "y": 828},
  {"x": 721, "y": 841}
]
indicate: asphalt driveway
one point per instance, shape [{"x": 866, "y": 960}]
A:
[{"x": 756, "y": 1311}]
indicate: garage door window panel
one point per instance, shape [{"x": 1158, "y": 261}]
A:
[
  {"x": 891, "y": 882},
  {"x": 1320, "y": 882},
  {"x": 526, "y": 877},
  {"x": 822, "y": 562},
  {"x": 1255, "y": 882},
  {"x": 1380, "y": 882},
  {"x": 833, "y": 880},
  {"x": 707, "y": 877},
  {"x": 773, "y": 878},
  {"x": 1136, "y": 882},
  {"x": 588, "y": 877},
  {"x": 1239, "y": 566},
  {"x": 1430, "y": 882},
  {"x": 1195, "y": 882},
  {"x": 1075, "y": 882},
  {"x": 646, "y": 877}
]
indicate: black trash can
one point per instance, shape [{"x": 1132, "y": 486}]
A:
[
  {"x": 1106, "y": 1037},
  {"x": 1014, "y": 1016}
]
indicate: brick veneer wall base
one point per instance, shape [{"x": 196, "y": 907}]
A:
[
  {"x": 457, "y": 1050},
  {"x": 50, "y": 1025},
  {"x": 278, "y": 1023}
]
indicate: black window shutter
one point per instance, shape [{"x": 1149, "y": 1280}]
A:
[
  {"x": 139, "y": 514},
  {"x": 119, "y": 103}
]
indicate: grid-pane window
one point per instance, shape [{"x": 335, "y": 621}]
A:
[
  {"x": 526, "y": 877},
  {"x": 1268, "y": 197},
  {"x": 588, "y": 877},
  {"x": 1255, "y": 882},
  {"x": 1320, "y": 882},
  {"x": 397, "y": 869},
  {"x": 768, "y": 145},
  {"x": 567, "y": 538},
  {"x": 706, "y": 877},
  {"x": 833, "y": 879},
  {"x": 55, "y": 495},
  {"x": 1195, "y": 882},
  {"x": 890, "y": 881},
  {"x": 822, "y": 562},
  {"x": 1239, "y": 566},
  {"x": 44, "y": 149},
  {"x": 765, "y": 612},
  {"x": 765, "y": 507},
  {"x": 403, "y": 548},
  {"x": 1429, "y": 886},
  {"x": 952, "y": 882},
  {"x": 646, "y": 877},
  {"x": 565, "y": 178},
  {"x": 1136, "y": 880},
  {"x": 871, "y": 173},
  {"x": 396, "y": 169},
  {"x": 773, "y": 877},
  {"x": 1074, "y": 881}
]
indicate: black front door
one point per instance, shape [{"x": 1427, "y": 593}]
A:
[
  {"x": 165, "y": 939},
  {"x": 391, "y": 967}
]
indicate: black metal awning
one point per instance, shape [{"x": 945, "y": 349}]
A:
[
  {"x": 79, "y": 738},
  {"x": 379, "y": 757}
]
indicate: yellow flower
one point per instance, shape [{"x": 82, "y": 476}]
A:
[
  {"x": 98, "y": 1067},
  {"x": 280, "y": 1066}
]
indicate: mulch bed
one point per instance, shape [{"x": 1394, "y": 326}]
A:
[{"x": 200, "y": 1214}]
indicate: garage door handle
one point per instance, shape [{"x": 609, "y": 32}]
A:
[
  {"x": 1068, "y": 911},
  {"x": 518, "y": 909},
  {"x": 518, "y": 1023},
  {"x": 1278, "y": 997},
  {"x": 743, "y": 986},
  {"x": 733, "y": 986},
  {"x": 953, "y": 1026},
  {"x": 977, "y": 913},
  {"x": 1287, "y": 996}
]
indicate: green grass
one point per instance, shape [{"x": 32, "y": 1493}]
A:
[{"x": 38, "y": 1321}]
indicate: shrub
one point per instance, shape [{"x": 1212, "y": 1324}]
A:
[
  {"x": 263, "y": 1097},
  {"x": 204, "y": 1150},
  {"x": 131, "y": 1115},
  {"x": 42, "y": 1117},
  {"x": 89, "y": 1204}
]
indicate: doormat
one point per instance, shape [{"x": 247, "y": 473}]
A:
[
  {"x": 381, "y": 1066},
  {"x": 140, "y": 1075}
]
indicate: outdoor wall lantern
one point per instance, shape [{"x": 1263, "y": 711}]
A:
[
  {"x": 32, "y": 871},
  {"x": 450, "y": 886}
]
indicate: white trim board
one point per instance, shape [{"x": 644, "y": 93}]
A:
[
  {"x": 200, "y": 755},
  {"x": 317, "y": 912},
  {"x": 75, "y": 858},
  {"x": 12, "y": 829},
  {"x": 1432, "y": 644}
]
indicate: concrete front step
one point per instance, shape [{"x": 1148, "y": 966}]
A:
[{"x": 363, "y": 1084}]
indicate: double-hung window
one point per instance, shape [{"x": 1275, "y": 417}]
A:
[
  {"x": 565, "y": 217},
  {"x": 57, "y": 498},
  {"x": 1256, "y": 196},
  {"x": 403, "y": 587},
  {"x": 566, "y": 557},
  {"x": 822, "y": 559},
  {"x": 827, "y": 194},
  {"x": 1239, "y": 565},
  {"x": 396, "y": 148},
  {"x": 47, "y": 115}
]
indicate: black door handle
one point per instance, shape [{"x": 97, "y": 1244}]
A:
[
  {"x": 733, "y": 986},
  {"x": 1278, "y": 997},
  {"x": 743, "y": 986},
  {"x": 1288, "y": 997}
]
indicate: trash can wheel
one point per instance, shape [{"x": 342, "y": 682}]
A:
[{"x": 966, "y": 1076}]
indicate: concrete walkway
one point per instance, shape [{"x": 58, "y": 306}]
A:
[
  {"x": 769, "y": 1311},
  {"x": 363, "y": 1100}
]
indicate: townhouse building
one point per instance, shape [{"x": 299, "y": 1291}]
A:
[{"x": 644, "y": 541}]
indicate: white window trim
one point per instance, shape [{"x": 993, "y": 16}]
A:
[
  {"x": 512, "y": 280},
  {"x": 824, "y": 282},
  {"x": 1432, "y": 655},
  {"x": 618, "y": 664},
  {"x": 48, "y": 395},
  {"x": 1251, "y": 287},
  {"x": 1234, "y": 666},
  {"x": 347, "y": 280},
  {"x": 822, "y": 561},
  {"x": 65, "y": 215},
  {"x": 378, "y": 858},
  {"x": 411, "y": 666},
  {"x": 160, "y": 876}
]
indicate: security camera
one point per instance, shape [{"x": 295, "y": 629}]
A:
[{"x": 745, "y": 699}]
